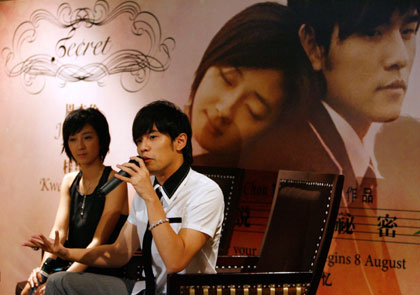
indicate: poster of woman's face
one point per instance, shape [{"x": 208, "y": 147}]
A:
[
  {"x": 233, "y": 106},
  {"x": 237, "y": 95}
]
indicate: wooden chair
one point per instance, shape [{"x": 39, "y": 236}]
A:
[
  {"x": 294, "y": 248},
  {"x": 230, "y": 181}
]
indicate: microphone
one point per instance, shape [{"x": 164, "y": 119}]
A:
[
  {"x": 114, "y": 182},
  {"x": 46, "y": 269}
]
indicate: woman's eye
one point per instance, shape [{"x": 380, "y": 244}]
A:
[
  {"x": 230, "y": 76},
  {"x": 255, "y": 114},
  {"x": 258, "y": 113},
  {"x": 258, "y": 110},
  {"x": 224, "y": 77}
]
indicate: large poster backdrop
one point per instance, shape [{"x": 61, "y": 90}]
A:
[{"x": 120, "y": 55}]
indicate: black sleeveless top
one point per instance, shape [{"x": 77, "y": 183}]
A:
[{"x": 85, "y": 213}]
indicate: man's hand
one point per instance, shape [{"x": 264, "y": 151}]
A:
[
  {"x": 139, "y": 178},
  {"x": 46, "y": 244}
]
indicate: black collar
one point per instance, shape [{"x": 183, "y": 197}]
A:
[{"x": 173, "y": 182}]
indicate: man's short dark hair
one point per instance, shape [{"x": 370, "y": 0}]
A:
[
  {"x": 168, "y": 119},
  {"x": 351, "y": 16},
  {"x": 77, "y": 119}
]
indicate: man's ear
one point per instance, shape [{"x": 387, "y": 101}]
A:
[
  {"x": 180, "y": 141},
  {"x": 313, "y": 51}
]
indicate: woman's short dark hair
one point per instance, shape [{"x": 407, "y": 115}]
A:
[
  {"x": 262, "y": 36},
  {"x": 77, "y": 119},
  {"x": 168, "y": 119}
]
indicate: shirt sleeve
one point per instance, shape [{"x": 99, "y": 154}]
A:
[
  {"x": 132, "y": 216},
  {"x": 205, "y": 211}
]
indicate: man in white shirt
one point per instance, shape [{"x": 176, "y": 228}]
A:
[{"x": 178, "y": 208}]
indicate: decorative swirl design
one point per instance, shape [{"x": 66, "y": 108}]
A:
[{"x": 134, "y": 66}]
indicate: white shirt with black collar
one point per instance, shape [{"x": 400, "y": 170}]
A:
[{"x": 194, "y": 201}]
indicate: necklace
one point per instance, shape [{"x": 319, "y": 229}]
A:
[
  {"x": 84, "y": 199},
  {"x": 86, "y": 191}
]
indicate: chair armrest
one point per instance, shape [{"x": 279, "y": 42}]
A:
[{"x": 236, "y": 263}]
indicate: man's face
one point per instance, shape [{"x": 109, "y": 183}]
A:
[
  {"x": 367, "y": 74},
  {"x": 159, "y": 153}
]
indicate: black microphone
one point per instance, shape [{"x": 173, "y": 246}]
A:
[
  {"x": 46, "y": 269},
  {"x": 114, "y": 182}
]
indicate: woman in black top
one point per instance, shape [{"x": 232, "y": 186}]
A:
[{"x": 84, "y": 218}]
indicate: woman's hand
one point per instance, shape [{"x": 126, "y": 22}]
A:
[
  {"x": 34, "y": 277},
  {"x": 33, "y": 281},
  {"x": 46, "y": 244},
  {"x": 26, "y": 289},
  {"x": 40, "y": 290}
]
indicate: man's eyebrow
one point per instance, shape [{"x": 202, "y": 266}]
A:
[
  {"x": 411, "y": 18},
  {"x": 153, "y": 130}
]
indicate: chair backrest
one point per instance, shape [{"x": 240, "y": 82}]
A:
[
  {"x": 301, "y": 223},
  {"x": 294, "y": 248},
  {"x": 230, "y": 181}
]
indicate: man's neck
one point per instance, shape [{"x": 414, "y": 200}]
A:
[
  {"x": 359, "y": 123},
  {"x": 169, "y": 171},
  {"x": 358, "y": 154}
]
